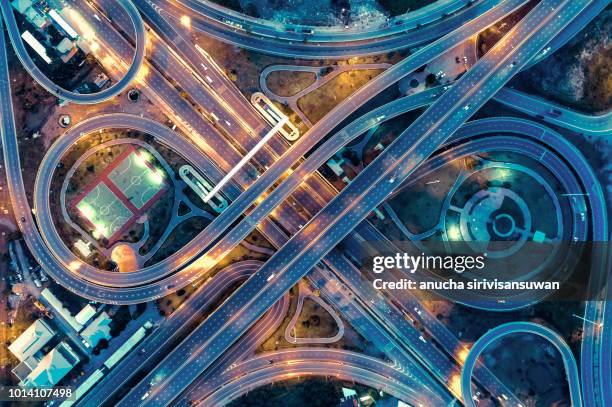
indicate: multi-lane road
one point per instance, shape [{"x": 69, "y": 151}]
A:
[
  {"x": 267, "y": 179},
  {"x": 339, "y": 216},
  {"x": 308, "y": 43},
  {"x": 569, "y": 362},
  {"x": 52, "y": 87},
  {"x": 232, "y": 332}
]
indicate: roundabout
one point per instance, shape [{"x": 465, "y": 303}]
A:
[{"x": 568, "y": 209}]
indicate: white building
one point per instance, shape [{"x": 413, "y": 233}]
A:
[{"x": 33, "y": 339}]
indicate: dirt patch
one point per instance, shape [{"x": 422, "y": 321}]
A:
[
  {"x": 243, "y": 67},
  {"x": 319, "y": 102},
  {"x": 289, "y": 83},
  {"x": 314, "y": 322}
]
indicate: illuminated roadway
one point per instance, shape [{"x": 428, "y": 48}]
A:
[
  {"x": 4, "y": 112},
  {"x": 289, "y": 363},
  {"x": 569, "y": 362},
  {"x": 504, "y": 125},
  {"x": 42, "y": 204},
  {"x": 248, "y": 344},
  {"x": 169, "y": 331},
  {"x": 593, "y": 125},
  {"x": 329, "y": 46},
  {"x": 266, "y": 28},
  {"x": 410, "y": 102},
  {"x": 119, "y": 282},
  {"x": 300, "y": 148},
  {"x": 283, "y": 269},
  {"x": 173, "y": 329},
  {"x": 542, "y": 138},
  {"x": 30, "y": 66},
  {"x": 491, "y": 143}
]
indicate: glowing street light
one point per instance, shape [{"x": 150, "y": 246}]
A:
[
  {"x": 186, "y": 21},
  {"x": 453, "y": 233}
]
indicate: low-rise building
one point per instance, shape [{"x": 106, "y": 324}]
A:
[
  {"x": 36, "y": 46},
  {"x": 64, "y": 46},
  {"x": 97, "y": 330},
  {"x": 85, "y": 314},
  {"x": 83, "y": 247},
  {"x": 52, "y": 367},
  {"x": 32, "y": 340},
  {"x": 50, "y": 300}
]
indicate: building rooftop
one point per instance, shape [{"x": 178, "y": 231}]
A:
[
  {"x": 85, "y": 314},
  {"x": 21, "y": 5},
  {"x": 64, "y": 46},
  {"x": 98, "y": 329},
  {"x": 53, "y": 367},
  {"x": 83, "y": 247},
  {"x": 51, "y": 300},
  {"x": 33, "y": 339}
]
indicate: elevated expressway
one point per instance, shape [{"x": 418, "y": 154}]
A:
[
  {"x": 175, "y": 330},
  {"x": 269, "y": 175},
  {"x": 170, "y": 331},
  {"x": 300, "y": 362},
  {"x": 283, "y": 270},
  {"x": 368, "y": 333},
  {"x": 592, "y": 125},
  {"x": 292, "y": 32},
  {"x": 357, "y": 128},
  {"x": 267, "y": 179},
  {"x": 569, "y": 362},
  {"x": 30, "y": 66},
  {"x": 42, "y": 204},
  {"x": 536, "y": 150},
  {"x": 528, "y": 139},
  {"x": 95, "y": 274},
  {"x": 320, "y": 44}
]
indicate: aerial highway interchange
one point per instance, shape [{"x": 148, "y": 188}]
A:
[{"x": 303, "y": 220}]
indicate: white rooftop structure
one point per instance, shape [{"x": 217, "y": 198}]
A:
[
  {"x": 53, "y": 301},
  {"x": 126, "y": 347},
  {"x": 98, "y": 329},
  {"x": 59, "y": 20},
  {"x": 83, "y": 247},
  {"x": 84, "y": 387},
  {"x": 21, "y": 5},
  {"x": 33, "y": 339},
  {"x": 348, "y": 392},
  {"x": 85, "y": 314},
  {"x": 64, "y": 46},
  {"x": 36, "y": 46}
]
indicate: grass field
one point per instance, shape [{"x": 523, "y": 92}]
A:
[
  {"x": 104, "y": 211},
  {"x": 137, "y": 179}
]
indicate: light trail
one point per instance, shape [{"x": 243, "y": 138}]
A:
[{"x": 245, "y": 159}]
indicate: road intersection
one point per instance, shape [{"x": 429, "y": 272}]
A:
[{"x": 220, "y": 128}]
